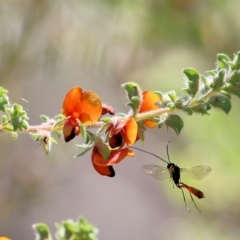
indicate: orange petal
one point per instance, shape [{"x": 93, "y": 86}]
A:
[
  {"x": 105, "y": 171},
  {"x": 70, "y": 129},
  {"x": 150, "y": 123},
  {"x": 90, "y": 108},
  {"x": 4, "y": 238},
  {"x": 148, "y": 104},
  {"x": 130, "y": 131},
  {"x": 72, "y": 101},
  {"x": 115, "y": 157}
]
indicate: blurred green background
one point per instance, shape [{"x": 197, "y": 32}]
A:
[{"x": 49, "y": 46}]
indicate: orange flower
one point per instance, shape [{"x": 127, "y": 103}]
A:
[
  {"x": 149, "y": 103},
  {"x": 104, "y": 167},
  {"x": 78, "y": 105},
  {"x": 124, "y": 131},
  {"x": 4, "y": 238}
]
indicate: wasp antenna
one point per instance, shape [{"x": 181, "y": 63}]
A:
[
  {"x": 150, "y": 154},
  {"x": 168, "y": 152}
]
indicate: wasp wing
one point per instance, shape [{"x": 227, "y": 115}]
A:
[
  {"x": 155, "y": 171},
  {"x": 197, "y": 172}
]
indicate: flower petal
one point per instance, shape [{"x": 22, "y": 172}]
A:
[
  {"x": 90, "y": 108},
  {"x": 70, "y": 129},
  {"x": 130, "y": 131},
  {"x": 72, "y": 101},
  {"x": 148, "y": 104},
  {"x": 115, "y": 157},
  {"x": 105, "y": 171}
]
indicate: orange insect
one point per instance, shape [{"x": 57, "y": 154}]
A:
[{"x": 174, "y": 171}]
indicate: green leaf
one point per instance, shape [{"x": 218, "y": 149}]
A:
[
  {"x": 103, "y": 128},
  {"x": 83, "y": 130},
  {"x": 236, "y": 62},
  {"x": 175, "y": 122},
  {"x": 18, "y": 117},
  {"x": 83, "y": 152},
  {"x": 234, "y": 79},
  {"x": 58, "y": 125},
  {"x": 80, "y": 230},
  {"x": 102, "y": 147},
  {"x": 160, "y": 94},
  {"x": 44, "y": 118},
  {"x": 14, "y": 135},
  {"x": 193, "y": 79},
  {"x": 162, "y": 120},
  {"x": 132, "y": 89},
  {"x": 60, "y": 116},
  {"x": 5, "y": 119},
  {"x": 220, "y": 101},
  {"x": 202, "y": 108},
  {"x": 4, "y": 100},
  {"x": 134, "y": 94},
  {"x": 8, "y": 127},
  {"x": 232, "y": 89},
  {"x": 222, "y": 61},
  {"x": 173, "y": 96},
  {"x": 105, "y": 119},
  {"x": 42, "y": 231},
  {"x": 141, "y": 129},
  {"x": 218, "y": 81}
]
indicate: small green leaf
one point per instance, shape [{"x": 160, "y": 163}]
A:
[
  {"x": 14, "y": 135},
  {"x": 134, "y": 94},
  {"x": 218, "y": 81},
  {"x": 175, "y": 122},
  {"x": 193, "y": 79},
  {"x": 104, "y": 150},
  {"x": 236, "y": 62},
  {"x": 141, "y": 129},
  {"x": 102, "y": 128},
  {"x": 60, "y": 116},
  {"x": 222, "y": 61},
  {"x": 220, "y": 101},
  {"x": 232, "y": 89},
  {"x": 102, "y": 147},
  {"x": 5, "y": 119},
  {"x": 132, "y": 89},
  {"x": 202, "y": 108},
  {"x": 4, "y": 100},
  {"x": 105, "y": 119},
  {"x": 83, "y": 130},
  {"x": 234, "y": 79},
  {"x": 8, "y": 127},
  {"x": 80, "y": 230},
  {"x": 58, "y": 125},
  {"x": 162, "y": 120},
  {"x": 173, "y": 96},
  {"x": 18, "y": 117},
  {"x": 44, "y": 118},
  {"x": 160, "y": 94},
  {"x": 42, "y": 231},
  {"x": 83, "y": 152}
]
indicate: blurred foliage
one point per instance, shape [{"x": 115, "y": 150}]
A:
[{"x": 67, "y": 230}]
